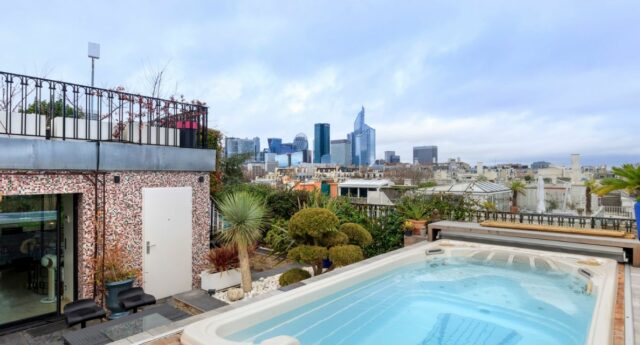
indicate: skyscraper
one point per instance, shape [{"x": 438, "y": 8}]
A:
[
  {"x": 300, "y": 142},
  {"x": 321, "y": 143},
  {"x": 237, "y": 146},
  {"x": 363, "y": 142},
  {"x": 391, "y": 157},
  {"x": 425, "y": 154},
  {"x": 341, "y": 152},
  {"x": 274, "y": 145}
]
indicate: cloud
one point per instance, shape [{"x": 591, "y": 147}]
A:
[{"x": 496, "y": 81}]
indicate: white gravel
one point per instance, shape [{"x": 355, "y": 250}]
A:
[{"x": 260, "y": 286}]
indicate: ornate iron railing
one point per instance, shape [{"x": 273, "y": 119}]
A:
[
  {"x": 580, "y": 222},
  {"x": 50, "y": 109}
]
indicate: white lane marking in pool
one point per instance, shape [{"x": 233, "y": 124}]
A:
[
  {"x": 375, "y": 316},
  {"x": 372, "y": 283},
  {"x": 354, "y": 318},
  {"x": 345, "y": 308}
]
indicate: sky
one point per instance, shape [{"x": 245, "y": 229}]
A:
[{"x": 490, "y": 81}]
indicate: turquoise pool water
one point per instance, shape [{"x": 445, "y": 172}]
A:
[{"x": 444, "y": 301}]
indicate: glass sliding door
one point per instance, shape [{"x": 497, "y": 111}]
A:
[{"x": 30, "y": 252}]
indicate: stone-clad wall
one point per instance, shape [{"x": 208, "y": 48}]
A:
[{"x": 123, "y": 212}]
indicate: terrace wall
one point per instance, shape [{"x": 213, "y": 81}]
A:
[{"x": 123, "y": 216}]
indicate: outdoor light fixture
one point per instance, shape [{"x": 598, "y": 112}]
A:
[
  {"x": 93, "y": 53},
  {"x": 201, "y": 179},
  {"x": 116, "y": 179}
]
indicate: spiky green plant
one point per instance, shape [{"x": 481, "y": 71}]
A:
[
  {"x": 517, "y": 187},
  {"x": 627, "y": 178},
  {"x": 244, "y": 215}
]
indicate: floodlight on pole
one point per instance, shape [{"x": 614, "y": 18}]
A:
[{"x": 93, "y": 53}]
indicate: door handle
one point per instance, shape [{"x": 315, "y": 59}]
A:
[{"x": 149, "y": 245}]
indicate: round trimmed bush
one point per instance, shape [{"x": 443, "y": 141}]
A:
[
  {"x": 357, "y": 234},
  {"x": 335, "y": 238},
  {"x": 307, "y": 254},
  {"x": 293, "y": 275},
  {"x": 312, "y": 223},
  {"x": 345, "y": 255}
]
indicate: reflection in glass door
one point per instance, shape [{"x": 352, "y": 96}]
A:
[{"x": 29, "y": 256}]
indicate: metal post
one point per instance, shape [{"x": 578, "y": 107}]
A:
[{"x": 93, "y": 67}]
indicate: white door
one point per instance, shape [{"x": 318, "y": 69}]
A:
[{"x": 166, "y": 222}]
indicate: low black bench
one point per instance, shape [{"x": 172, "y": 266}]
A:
[
  {"x": 135, "y": 298},
  {"x": 81, "y": 311}
]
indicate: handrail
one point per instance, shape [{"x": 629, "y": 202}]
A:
[{"x": 50, "y": 109}]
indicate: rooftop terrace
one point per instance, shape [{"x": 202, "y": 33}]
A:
[{"x": 49, "y": 109}]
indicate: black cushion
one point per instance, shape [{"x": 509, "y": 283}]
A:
[
  {"x": 135, "y": 298},
  {"x": 81, "y": 311}
]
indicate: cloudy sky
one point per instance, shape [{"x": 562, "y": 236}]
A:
[{"x": 490, "y": 81}]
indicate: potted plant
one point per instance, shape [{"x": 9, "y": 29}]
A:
[
  {"x": 222, "y": 272},
  {"x": 517, "y": 187},
  {"x": 628, "y": 179},
  {"x": 416, "y": 212},
  {"x": 114, "y": 275},
  {"x": 244, "y": 214},
  {"x": 408, "y": 228}
]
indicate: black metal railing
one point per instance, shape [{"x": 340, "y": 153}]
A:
[
  {"x": 50, "y": 109},
  {"x": 579, "y": 222}
]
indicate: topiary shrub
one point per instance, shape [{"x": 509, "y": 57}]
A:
[
  {"x": 293, "y": 275},
  {"x": 309, "y": 225},
  {"x": 310, "y": 255},
  {"x": 335, "y": 238},
  {"x": 345, "y": 255},
  {"x": 356, "y": 234}
]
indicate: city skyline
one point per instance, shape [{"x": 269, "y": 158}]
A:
[{"x": 497, "y": 83}]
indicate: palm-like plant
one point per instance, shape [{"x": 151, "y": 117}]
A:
[
  {"x": 517, "y": 187},
  {"x": 628, "y": 179},
  {"x": 590, "y": 187},
  {"x": 244, "y": 215}
]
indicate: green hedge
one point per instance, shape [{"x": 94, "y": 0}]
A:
[
  {"x": 356, "y": 234},
  {"x": 293, "y": 275},
  {"x": 345, "y": 255}
]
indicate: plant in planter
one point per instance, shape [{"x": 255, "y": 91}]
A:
[
  {"x": 114, "y": 275},
  {"x": 408, "y": 228},
  {"x": 416, "y": 210},
  {"x": 244, "y": 215},
  {"x": 222, "y": 272},
  {"x": 628, "y": 179},
  {"x": 517, "y": 187}
]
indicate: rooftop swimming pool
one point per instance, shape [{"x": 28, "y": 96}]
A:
[{"x": 447, "y": 293}]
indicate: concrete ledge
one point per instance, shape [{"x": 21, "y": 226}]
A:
[{"x": 40, "y": 154}]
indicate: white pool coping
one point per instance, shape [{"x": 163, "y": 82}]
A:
[{"x": 214, "y": 329}]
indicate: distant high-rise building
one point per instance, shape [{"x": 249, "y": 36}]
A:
[
  {"x": 425, "y": 155},
  {"x": 256, "y": 146},
  {"x": 391, "y": 157},
  {"x": 286, "y": 148},
  {"x": 300, "y": 142},
  {"x": 237, "y": 146},
  {"x": 341, "y": 152},
  {"x": 540, "y": 165},
  {"x": 321, "y": 143},
  {"x": 274, "y": 145},
  {"x": 363, "y": 142}
]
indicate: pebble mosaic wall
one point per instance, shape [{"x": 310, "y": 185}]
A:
[{"x": 123, "y": 211}]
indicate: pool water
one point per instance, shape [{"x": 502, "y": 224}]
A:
[{"x": 444, "y": 301}]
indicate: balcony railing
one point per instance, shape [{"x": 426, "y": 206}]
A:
[
  {"x": 626, "y": 225},
  {"x": 50, "y": 109}
]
